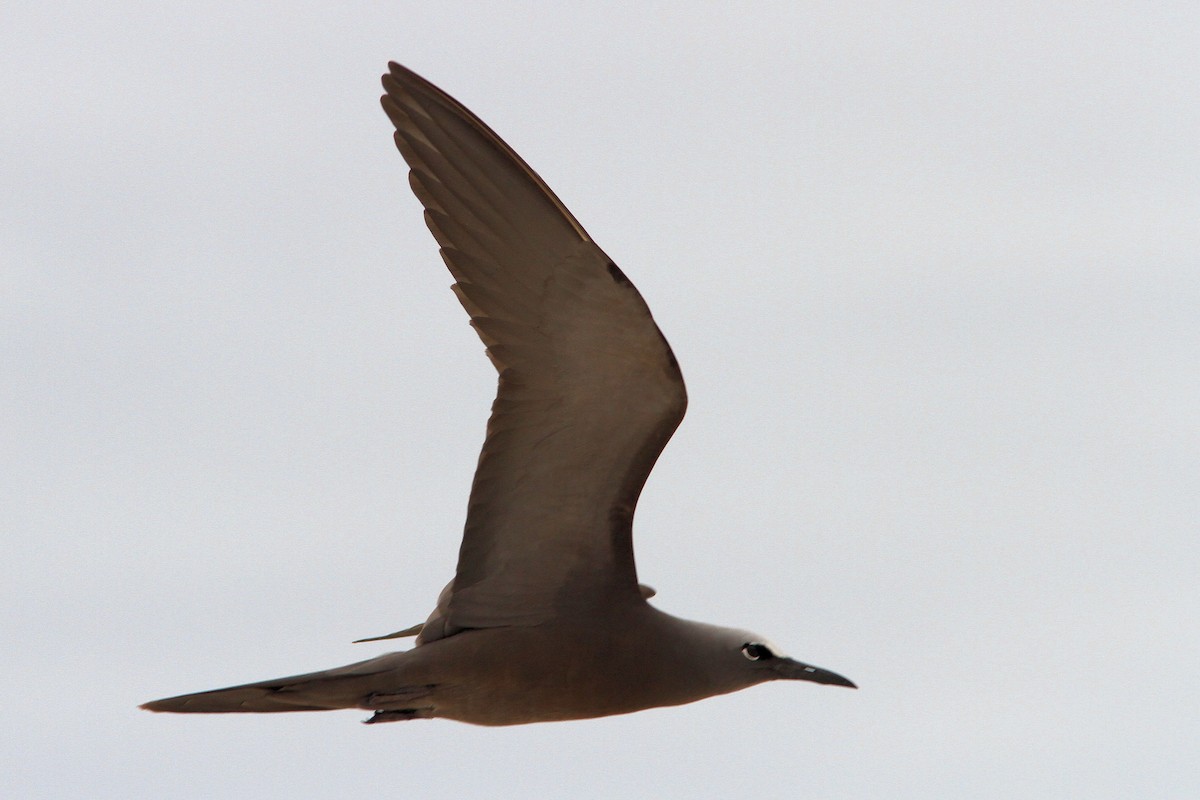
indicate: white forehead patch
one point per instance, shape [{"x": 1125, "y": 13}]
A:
[{"x": 774, "y": 648}]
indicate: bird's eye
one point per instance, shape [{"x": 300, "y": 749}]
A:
[{"x": 756, "y": 652}]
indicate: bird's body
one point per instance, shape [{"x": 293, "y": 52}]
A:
[
  {"x": 544, "y": 619},
  {"x": 634, "y": 658}
]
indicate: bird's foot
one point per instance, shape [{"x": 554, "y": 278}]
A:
[{"x": 399, "y": 715}]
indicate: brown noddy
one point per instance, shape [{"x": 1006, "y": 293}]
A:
[{"x": 544, "y": 619}]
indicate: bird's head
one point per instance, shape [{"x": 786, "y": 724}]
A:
[
  {"x": 776, "y": 666},
  {"x": 755, "y": 660}
]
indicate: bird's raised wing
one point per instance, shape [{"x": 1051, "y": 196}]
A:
[{"x": 589, "y": 392}]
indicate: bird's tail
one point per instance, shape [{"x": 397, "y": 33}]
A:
[{"x": 343, "y": 687}]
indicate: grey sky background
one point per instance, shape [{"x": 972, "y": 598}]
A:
[{"x": 932, "y": 274}]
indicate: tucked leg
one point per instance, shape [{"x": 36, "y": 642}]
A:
[{"x": 399, "y": 715}]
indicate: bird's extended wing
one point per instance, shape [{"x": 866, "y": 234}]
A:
[{"x": 589, "y": 392}]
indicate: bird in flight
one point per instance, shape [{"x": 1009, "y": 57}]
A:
[{"x": 544, "y": 619}]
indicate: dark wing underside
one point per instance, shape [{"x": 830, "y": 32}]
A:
[{"x": 589, "y": 392}]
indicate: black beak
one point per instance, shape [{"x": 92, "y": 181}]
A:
[{"x": 796, "y": 671}]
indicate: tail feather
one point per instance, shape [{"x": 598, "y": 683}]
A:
[
  {"x": 342, "y": 687},
  {"x": 247, "y": 699}
]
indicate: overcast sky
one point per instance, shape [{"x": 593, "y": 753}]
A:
[{"x": 932, "y": 272}]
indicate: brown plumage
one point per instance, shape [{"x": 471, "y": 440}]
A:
[{"x": 544, "y": 619}]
